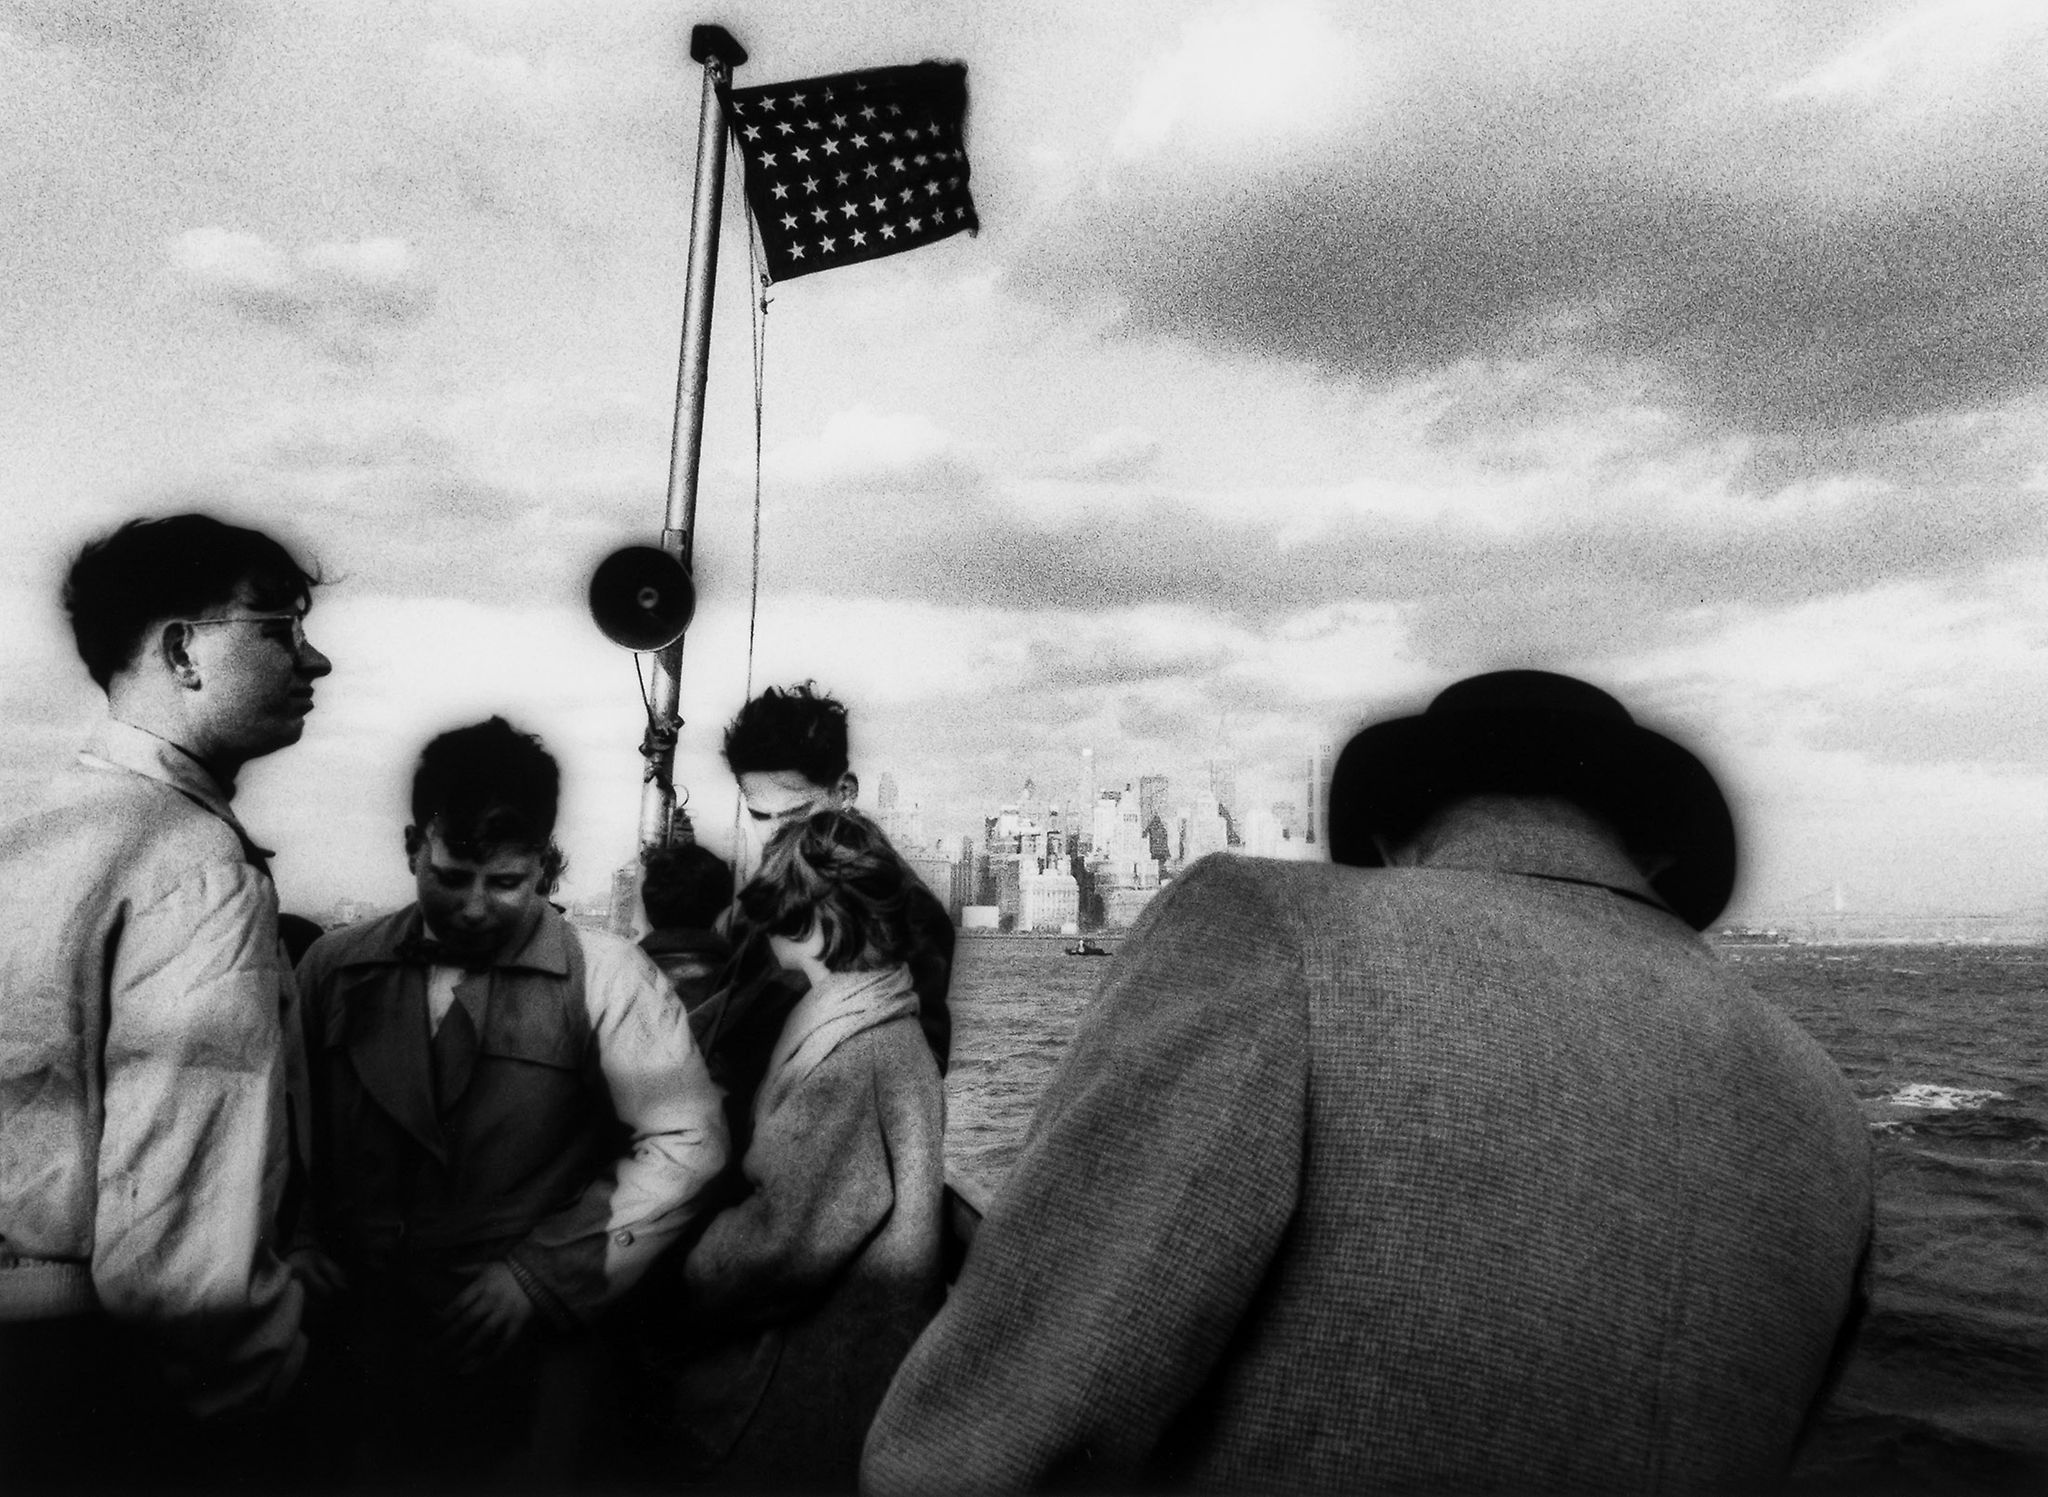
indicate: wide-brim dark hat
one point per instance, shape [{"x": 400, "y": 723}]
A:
[{"x": 1538, "y": 733}]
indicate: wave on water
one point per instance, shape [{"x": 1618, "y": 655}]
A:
[
  {"x": 1932, "y": 1110},
  {"x": 1929, "y": 1096}
]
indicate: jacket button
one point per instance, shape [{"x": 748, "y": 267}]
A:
[{"x": 623, "y": 1237}]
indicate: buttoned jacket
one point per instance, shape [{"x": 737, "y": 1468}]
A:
[
  {"x": 585, "y": 1131},
  {"x": 144, "y": 1069},
  {"x": 1480, "y": 1176}
]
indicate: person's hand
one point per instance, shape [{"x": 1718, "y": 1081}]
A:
[
  {"x": 321, "y": 1275},
  {"x": 484, "y": 1320}
]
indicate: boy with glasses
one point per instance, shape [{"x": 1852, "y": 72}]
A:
[{"x": 145, "y": 1133}]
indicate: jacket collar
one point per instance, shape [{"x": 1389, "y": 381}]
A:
[
  {"x": 1564, "y": 854},
  {"x": 838, "y": 1006},
  {"x": 544, "y": 949},
  {"x": 119, "y": 745}
]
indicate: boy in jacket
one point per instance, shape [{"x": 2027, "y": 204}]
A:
[{"x": 512, "y": 1123}]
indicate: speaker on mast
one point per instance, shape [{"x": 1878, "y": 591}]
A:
[{"x": 642, "y": 598}]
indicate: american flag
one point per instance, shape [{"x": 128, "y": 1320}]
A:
[{"x": 854, "y": 166}]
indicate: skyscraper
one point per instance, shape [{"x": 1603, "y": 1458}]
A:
[
  {"x": 1316, "y": 796},
  {"x": 1223, "y": 784},
  {"x": 1152, "y": 791}
]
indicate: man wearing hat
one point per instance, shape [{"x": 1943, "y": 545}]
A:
[{"x": 1463, "y": 1167}]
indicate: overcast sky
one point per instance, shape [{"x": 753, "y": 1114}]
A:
[{"x": 1310, "y": 357}]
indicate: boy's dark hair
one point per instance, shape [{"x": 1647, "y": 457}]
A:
[
  {"x": 837, "y": 870},
  {"x": 177, "y": 567},
  {"x": 799, "y": 728},
  {"x": 685, "y": 888},
  {"x": 485, "y": 787}
]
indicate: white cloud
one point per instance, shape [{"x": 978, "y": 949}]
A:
[
  {"x": 232, "y": 258},
  {"x": 1241, "y": 80},
  {"x": 368, "y": 262},
  {"x": 337, "y": 292},
  {"x": 1934, "y": 58},
  {"x": 863, "y": 445},
  {"x": 1122, "y": 452}
]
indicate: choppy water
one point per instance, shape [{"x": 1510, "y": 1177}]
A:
[{"x": 1948, "y": 1048}]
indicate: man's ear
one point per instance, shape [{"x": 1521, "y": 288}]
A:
[
  {"x": 173, "y": 646},
  {"x": 414, "y": 841},
  {"x": 847, "y": 788}
]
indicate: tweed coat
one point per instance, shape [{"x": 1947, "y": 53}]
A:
[{"x": 1456, "y": 1178}]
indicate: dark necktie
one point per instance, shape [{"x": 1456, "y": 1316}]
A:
[{"x": 454, "y": 1046}]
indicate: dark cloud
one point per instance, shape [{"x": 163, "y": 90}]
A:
[
  {"x": 422, "y": 531},
  {"x": 163, "y": 45},
  {"x": 1548, "y": 588},
  {"x": 1114, "y": 662},
  {"x": 1772, "y": 321},
  {"x": 1774, "y": 266}
]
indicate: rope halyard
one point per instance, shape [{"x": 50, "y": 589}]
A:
[{"x": 758, "y": 322}]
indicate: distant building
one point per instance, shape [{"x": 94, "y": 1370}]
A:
[
  {"x": 624, "y": 917},
  {"x": 1159, "y": 839},
  {"x": 939, "y": 875},
  {"x": 1316, "y": 796},
  {"x": 1008, "y": 873},
  {"x": 903, "y": 826},
  {"x": 980, "y": 917},
  {"x": 1288, "y": 815},
  {"x": 1121, "y": 907},
  {"x": 349, "y": 912},
  {"x": 885, "y": 792},
  {"x": 1223, "y": 785},
  {"x": 1152, "y": 790},
  {"x": 1260, "y": 834},
  {"x": 1208, "y": 829},
  {"x": 1047, "y": 899}
]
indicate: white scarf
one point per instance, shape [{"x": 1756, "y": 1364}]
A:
[{"x": 831, "y": 1013}]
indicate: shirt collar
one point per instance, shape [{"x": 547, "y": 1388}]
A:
[
  {"x": 545, "y": 947},
  {"x": 119, "y": 745},
  {"x": 1561, "y": 853}
]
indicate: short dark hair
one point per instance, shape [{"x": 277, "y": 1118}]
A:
[
  {"x": 176, "y": 567},
  {"x": 835, "y": 869},
  {"x": 489, "y": 786},
  {"x": 799, "y": 728},
  {"x": 685, "y": 887}
]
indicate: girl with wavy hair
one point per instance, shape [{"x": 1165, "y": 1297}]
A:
[{"x": 814, "y": 1284}]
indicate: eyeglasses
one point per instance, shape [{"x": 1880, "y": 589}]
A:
[{"x": 296, "y": 620}]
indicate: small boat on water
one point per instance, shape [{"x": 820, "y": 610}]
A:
[{"x": 1086, "y": 947}]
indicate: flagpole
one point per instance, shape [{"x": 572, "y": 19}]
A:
[{"x": 715, "y": 49}]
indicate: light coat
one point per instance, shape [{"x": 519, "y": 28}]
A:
[
  {"x": 820, "y": 1280},
  {"x": 1480, "y": 1176},
  {"x": 144, "y": 1069}
]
